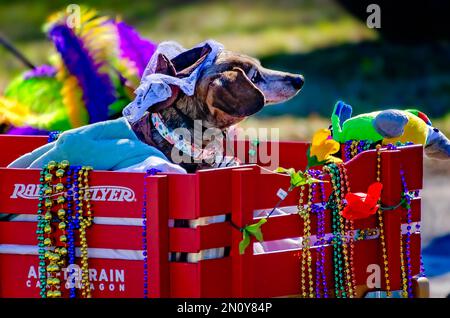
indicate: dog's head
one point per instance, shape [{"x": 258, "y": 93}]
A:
[
  {"x": 233, "y": 87},
  {"x": 236, "y": 86}
]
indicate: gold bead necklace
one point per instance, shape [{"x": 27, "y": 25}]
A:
[
  {"x": 85, "y": 222},
  {"x": 349, "y": 229},
  {"x": 306, "y": 253},
  {"x": 381, "y": 225}
]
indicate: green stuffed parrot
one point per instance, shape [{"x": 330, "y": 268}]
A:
[{"x": 389, "y": 126}]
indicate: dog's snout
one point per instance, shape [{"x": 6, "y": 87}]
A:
[{"x": 297, "y": 81}]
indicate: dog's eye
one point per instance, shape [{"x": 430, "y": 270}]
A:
[{"x": 256, "y": 77}]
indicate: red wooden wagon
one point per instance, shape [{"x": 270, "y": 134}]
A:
[{"x": 115, "y": 239}]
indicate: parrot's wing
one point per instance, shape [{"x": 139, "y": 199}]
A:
[{"x": 390, "y": 123}]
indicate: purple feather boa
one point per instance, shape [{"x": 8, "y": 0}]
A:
[
  {"x": 98, "y": 91},
  {"x": 133, "y": 47},
  {"x": 26, "y": 131},
  {"x": 40, "y": 71}
]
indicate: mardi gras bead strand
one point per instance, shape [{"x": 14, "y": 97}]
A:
[
  {"x": 47, "y": 231},
  {"x": 339, "y": 183},
  {"x": 85, "y": 286},
  {"x": 381, "y": 225},
  {"x": 316, "y": 210},
  {"x": 150, "y": 172},
  {"x": 308, "y": 239},
  {"x": 422, "y": 267},
  {"x": 349, "y": 229},
  {"x": 332, "y": 205},
  {"x": 403, "y": 270},
  {"x": 53, "y": 136},
  {"x": 45, "y": 190},
  {"x": 85, "y": 222},
  {"x": 303, "y": 254},
  {"x": 416, "y": 194},
  {"x": 348, "y": 289},
  {"x": 62, "y": 225},
  {"x": 364, "y": 145},
  {"x": 360, "y": 146},
  {"x": 354, "y": 147},
  {"x": 144, "y": 236},
  {"x": 306, "y": 253},
  {"x": 54, "y": 255},
  {"x": 51, "y": 257},
  {"x": 82, "y": 220},
  {"x": 321, "y": 283},
  {"x": 77, "y": 214},
  {"x": 71, "y": 226},
  {"x": 406, "y": 272},
  {"x": 60, "y": 251},
  {"x": 337, "y": 256},
  {"x": 322, "y": 231},
  {"x": 404, "y": 292},
  {"x": 408, "y": 233},
  {"x": 308, "y": 234},
  {"x": 60, "y": 188},
  {"x": 347, "y": 150}
]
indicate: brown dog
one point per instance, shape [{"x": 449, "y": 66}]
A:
[{"x": 234, "y": 87}]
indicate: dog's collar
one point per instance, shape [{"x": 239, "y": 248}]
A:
[{"x": 178, "y": 141}]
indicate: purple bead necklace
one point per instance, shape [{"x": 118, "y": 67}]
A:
[
  {"x": 150, "y": 172},
  {"x": 354, "y": 147},
  {"x": 422, "y": 268},
  {"x": 321, "y": 230},
  {"x": 315, "y": 209},
  {"x": 408, "y": 233},
  {"x": 71, "y": 228},
  {"x": 347, "y": 150},
  {"x": 321, "y": 282},
  {"x": 407, "y": 281}
]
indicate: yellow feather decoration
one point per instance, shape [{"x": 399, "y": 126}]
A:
[
  {"x": 71, "y": 96},
  {"x": 99, "y": 38},
  {"x": 14, "y": 113},
  {"x": 72, "y": 99}
]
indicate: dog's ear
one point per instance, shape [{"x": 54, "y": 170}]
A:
[
  {"x": 186, "y": 62},
  {"x": 180, "y": 66},
  {"x": 234, "y": 93},
  {"x": 165, "y": 66}
]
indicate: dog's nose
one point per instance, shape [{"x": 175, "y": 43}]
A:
[{"x": 297, "y": 81}]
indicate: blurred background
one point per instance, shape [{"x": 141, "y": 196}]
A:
[{"x": 403, "y": 64}]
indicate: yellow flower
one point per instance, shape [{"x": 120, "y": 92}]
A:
[{"x": 323, "y": 146}]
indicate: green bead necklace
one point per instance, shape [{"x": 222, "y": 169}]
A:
[{"x": 338, "y": 262}]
